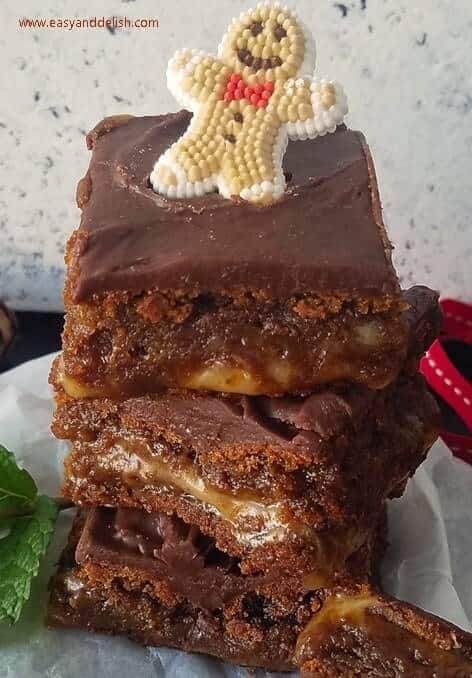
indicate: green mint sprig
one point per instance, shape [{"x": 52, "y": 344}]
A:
[
  {"x": 26, "y": 524},
  {"x": 18, "y": 490}
]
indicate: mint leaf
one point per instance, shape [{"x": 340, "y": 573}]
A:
[
  {"x": 18, "y": 490},
  {"x": 20, "y": 555}
]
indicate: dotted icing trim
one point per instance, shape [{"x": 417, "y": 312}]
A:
[{"x": 247, "y": 101}]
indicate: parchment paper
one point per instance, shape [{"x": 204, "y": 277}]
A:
[{"x": 429, "y": 562}]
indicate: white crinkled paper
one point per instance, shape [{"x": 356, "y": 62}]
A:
[{"x": 429, "y": 562}]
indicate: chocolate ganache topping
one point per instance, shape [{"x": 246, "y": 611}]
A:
[{"x": 324, "y": 236}]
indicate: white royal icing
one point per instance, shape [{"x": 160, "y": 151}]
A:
[{"x": 263, "y": 73}]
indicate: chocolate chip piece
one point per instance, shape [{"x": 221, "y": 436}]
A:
[
  {"x": 279, "y": 32},
  {"x": 238, "y": 117},
  {"x": 275, "y": 61},
  {"x": 231, "y": 138},
  {"x": 257, "y": 63}
]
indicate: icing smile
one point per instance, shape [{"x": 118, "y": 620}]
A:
[
  {"x": 255, "y": 62},
  {"x": 248, "y": 59}
]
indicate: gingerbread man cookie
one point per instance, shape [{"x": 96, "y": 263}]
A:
[{"x": 247, "y": 102}]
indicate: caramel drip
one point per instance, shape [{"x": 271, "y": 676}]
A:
[
  {"x": 338, "y": 609},
  {"x": 317, "y": 580}
]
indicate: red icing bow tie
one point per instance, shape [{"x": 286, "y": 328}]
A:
[{"x": 258, "y": 95}]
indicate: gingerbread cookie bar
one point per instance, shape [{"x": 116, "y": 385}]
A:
[
  {"x": 207, "y": 293},
  {"x": 239, "y": 379},
  {"x": 161, "y": 582},
  {"x": 300, "y": 477}
]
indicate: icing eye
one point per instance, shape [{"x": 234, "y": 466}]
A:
[
  {"x": 279, "y": 32},
  {"x": 256, "y": 27}
]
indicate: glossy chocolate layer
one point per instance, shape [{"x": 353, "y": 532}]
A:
[
  {"x": 324, "y": 237},
  {"x": 151, "y": 547},
  {"x": 163, "y": 546}
]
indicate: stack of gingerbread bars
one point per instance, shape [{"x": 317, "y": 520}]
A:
[{"x": 240, "y": 388}]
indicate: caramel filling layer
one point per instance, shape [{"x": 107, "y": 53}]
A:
[
  {"x": 223, "y": 378},
  {"x": 255, "y": 521},
  {"x": 262, "y": 371},
  {"x": 138, "y": 466},
  {"x": 75, "y": 389}
]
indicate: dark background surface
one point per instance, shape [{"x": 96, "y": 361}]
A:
[{"x": 38, "y": 334}]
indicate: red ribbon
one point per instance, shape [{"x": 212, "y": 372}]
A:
[
  {"x": 446, "y": 380},
  {"x": 258, "y": 95}
]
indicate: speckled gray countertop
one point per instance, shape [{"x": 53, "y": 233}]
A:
[{"x": 405, "y": 67}]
